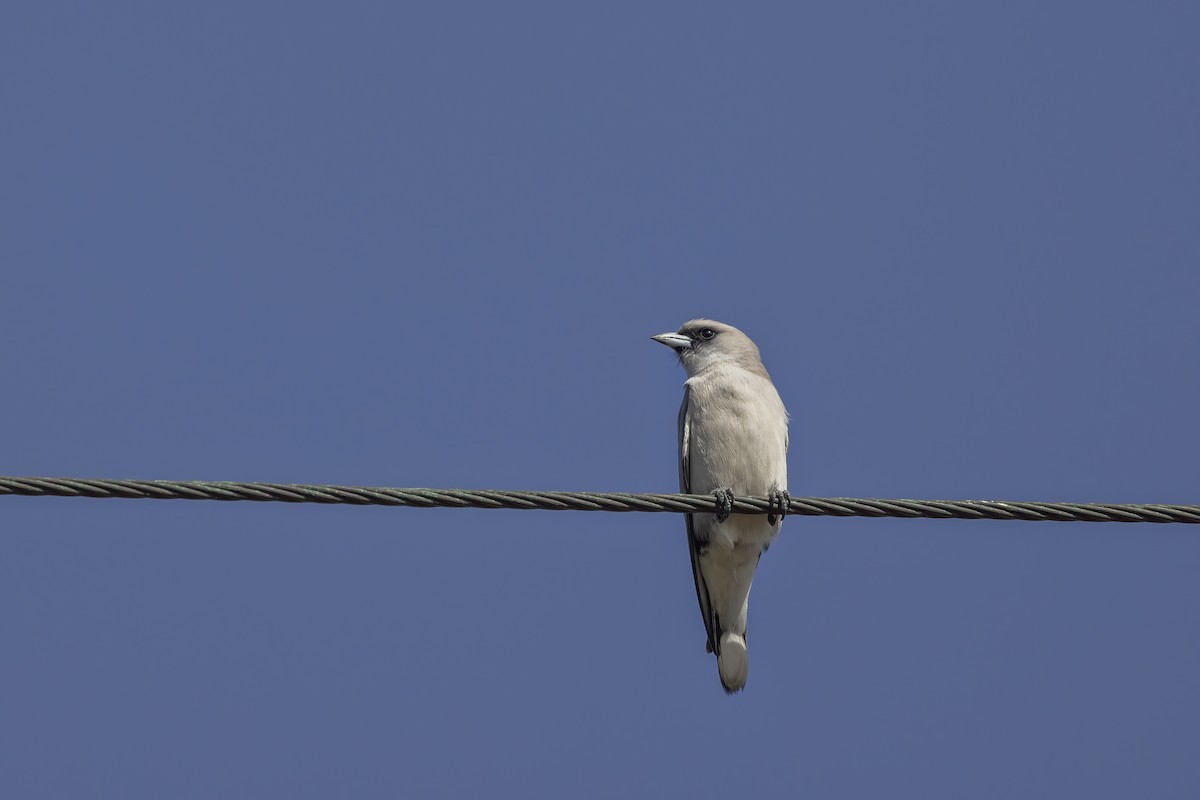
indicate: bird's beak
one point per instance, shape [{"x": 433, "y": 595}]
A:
[{"x": 674, "y": 341}]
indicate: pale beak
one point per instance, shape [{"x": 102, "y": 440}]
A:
[{"x": 675, "y": 341}]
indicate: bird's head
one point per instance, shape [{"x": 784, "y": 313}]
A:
[{"x": 703, "y": 343}]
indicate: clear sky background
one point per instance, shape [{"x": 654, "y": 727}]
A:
[{"x": 397, "y": 245}]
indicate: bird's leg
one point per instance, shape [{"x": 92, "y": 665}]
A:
[
  {"x": 777, "y": 499},
  {"x": 724, "y": 503}
]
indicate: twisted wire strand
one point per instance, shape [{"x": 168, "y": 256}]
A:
[{"x": 592, "y": 501}]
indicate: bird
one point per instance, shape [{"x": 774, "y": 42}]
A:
[{"x": 733, "y": 440}]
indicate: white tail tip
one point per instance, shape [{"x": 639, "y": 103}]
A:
[{"x": 734, "y": 663}]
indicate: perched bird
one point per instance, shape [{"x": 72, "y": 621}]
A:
[{"x": 732, "y": 441}]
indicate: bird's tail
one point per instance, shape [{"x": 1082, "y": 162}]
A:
[{"x": 733, "y": 662}]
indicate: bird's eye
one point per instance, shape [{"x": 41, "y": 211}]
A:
[{"x": 707, "y": 333}]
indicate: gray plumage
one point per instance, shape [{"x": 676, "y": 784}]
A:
[{"x": 732, "y": 440}]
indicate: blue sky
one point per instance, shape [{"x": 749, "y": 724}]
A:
[{"x": 397, "y": 245}]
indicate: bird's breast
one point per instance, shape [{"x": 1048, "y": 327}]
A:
[{"x": 738, "y": 437}]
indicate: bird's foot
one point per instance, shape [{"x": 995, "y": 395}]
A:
[
  {"x": 724, "y": 503},
  {"x": 777, "y": 499}
]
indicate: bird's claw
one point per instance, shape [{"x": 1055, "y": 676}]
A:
[
  {"x": 724, "y": 503},
  {"x": 777, "y": 499}
]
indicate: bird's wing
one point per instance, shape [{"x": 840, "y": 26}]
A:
[{"x": 685, "y": 486}]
